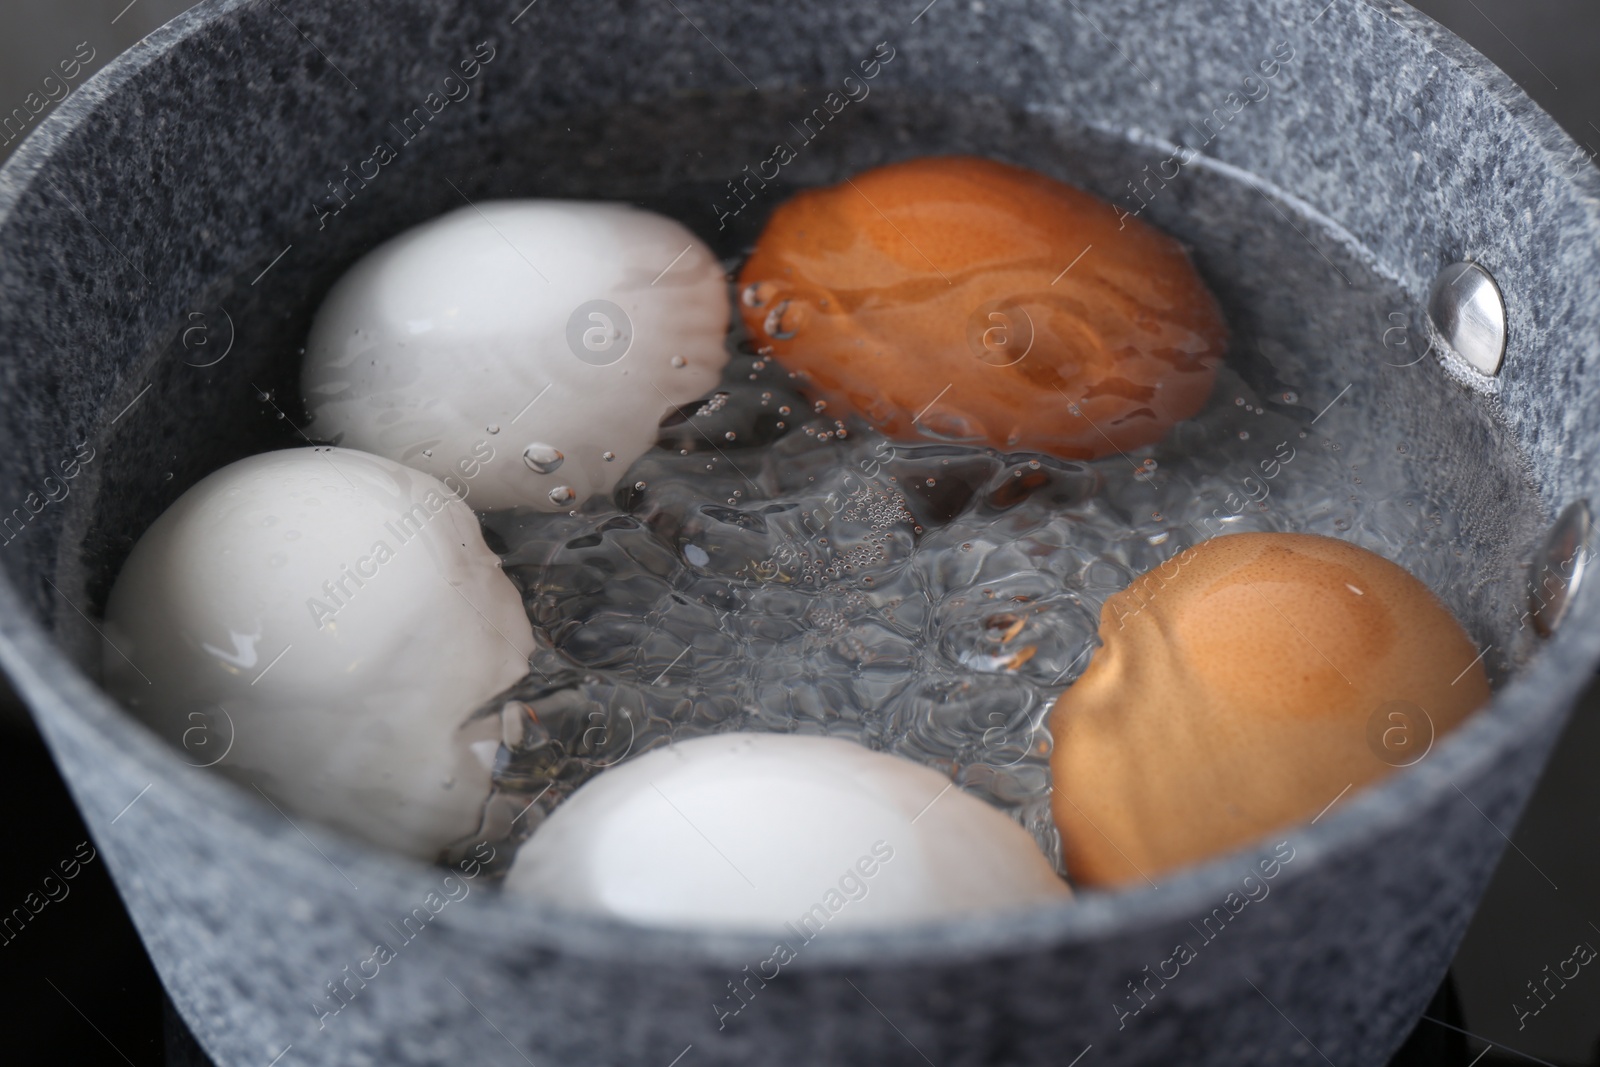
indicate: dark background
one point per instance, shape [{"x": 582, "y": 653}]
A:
[{"x": 78, "y": 988}]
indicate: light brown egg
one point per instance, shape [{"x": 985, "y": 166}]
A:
[
  {"x": 970, "y": 300},
  {"x": 1242, "y": 686}
]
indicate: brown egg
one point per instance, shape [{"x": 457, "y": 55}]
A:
[
  {"x": 970, "y": 300},
  {"x": 1242, "y": 686}
]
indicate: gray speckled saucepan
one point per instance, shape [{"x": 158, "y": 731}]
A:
[{"x": 192, "y": 182}]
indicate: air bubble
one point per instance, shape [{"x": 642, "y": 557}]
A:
[
  {"x": 493, "y": 427},
  {"x": 563, "y": 494},
  {"x": 679, "y": 362},
  {"x": 718, "y": 401},
  {"x": 783, "y": 321},
  {"x": 608, "y": 456},
  {"x": 544, "y": 459}
]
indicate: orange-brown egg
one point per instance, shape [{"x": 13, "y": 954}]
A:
[
  {"x": 976, "y": 301},
  {"x": 1242, "y": 686}
]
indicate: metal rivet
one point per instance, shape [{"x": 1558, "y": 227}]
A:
[
  {"x": 1559, "y": 568},
  {"x": 1469, "y": 312}
]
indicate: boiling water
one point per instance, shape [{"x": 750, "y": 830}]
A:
[{"x": 774, "y": 565}]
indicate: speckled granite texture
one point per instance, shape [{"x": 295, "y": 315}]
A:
[{"x": 190, "y": 177}]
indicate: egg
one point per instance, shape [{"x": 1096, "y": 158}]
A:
[
  {"x": 748, "y": 831},
  {"x": 1242, "y": 686},
  {"x": 527, "y": 347},
  {"x": 969, "y": 300},
  {"x": 319, "y": 623}
]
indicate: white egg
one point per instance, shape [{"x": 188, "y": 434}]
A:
[
  {"x": 328, "y": 619},
  {"x": 518, "y": 343},
  {"x": 754, "y": 831}
]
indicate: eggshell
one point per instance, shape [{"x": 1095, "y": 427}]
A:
[
  {"x": 327, "y": 619},
  {"x": 969, "y": 300},
  {"x": 1242, "y": 686},
  {"x": 754, "y": 831},
  {"x": 560, "y": 329}
]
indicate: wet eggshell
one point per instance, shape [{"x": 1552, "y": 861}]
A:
[
  {"x": 970, "y": 300},
  {"x": 328, "y": 619},
  {"x": 1235, "y": 692},
  {"x": 493, "y": 332},
  {"x": 751, "y": 831}
]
